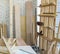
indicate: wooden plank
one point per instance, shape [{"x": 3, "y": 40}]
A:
[
  {"x": 23, "y": 27},
  {"x": 48, "y": 15},
  {"x": 11, "y": 18},
  {"x": 10, "y": 43},
  {"x": 7, "y": 45},
  {"x": 41, "y": 29},
  {"x": 50, "y": 49},
  {"x": 17, "y": 21},
  {"x": 47, "y": 5},
  {"x": 0, "y": 30},
  {"x": 45, "y": 32},
  {"x": 29, "y": 16}
]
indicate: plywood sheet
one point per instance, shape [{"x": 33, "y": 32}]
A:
[{"x": 0, "y": 29}]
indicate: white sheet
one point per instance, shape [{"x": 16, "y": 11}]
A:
[{"x": 23, "y": 50}]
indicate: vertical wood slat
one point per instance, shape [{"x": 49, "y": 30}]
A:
[
  {"x": 45, "y": 32},
  {"x": 17, "y": 21},
  {"x": 11, "y": 18},
  {"x": 29, "y": 25},
  {"x": 41, "y": 29}
]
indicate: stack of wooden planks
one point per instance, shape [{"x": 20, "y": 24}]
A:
[{"x": 48, "y": 18}]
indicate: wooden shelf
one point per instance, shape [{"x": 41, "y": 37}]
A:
[
  {"x": 48, "y": 15},
  {"x": 49, "y": 28},
  {"x": 45, "y": 5},
  {"x": 48, "y": 39},
  {"x": 56, "y": 39},
  {"x": 40, "y": 23}
]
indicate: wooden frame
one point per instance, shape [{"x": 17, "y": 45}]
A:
[{"x": 48, "y": 17}]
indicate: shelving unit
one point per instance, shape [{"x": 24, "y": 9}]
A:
[{"x": 48, "y": 18}]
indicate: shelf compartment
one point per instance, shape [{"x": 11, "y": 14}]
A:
[{"x": 48, "y": 15}]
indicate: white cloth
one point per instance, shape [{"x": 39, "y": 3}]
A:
[{"x": 23, "y": 50}]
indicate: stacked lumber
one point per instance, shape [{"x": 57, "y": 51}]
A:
[{"x": 48, "y": 18}]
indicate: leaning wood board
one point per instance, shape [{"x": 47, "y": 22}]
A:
[
  {"x": 48, "y": 7},
  {"x": 29, "y": 25},
  {"x": 11, "y": 17},
  {"x": 17, "y": 21}
]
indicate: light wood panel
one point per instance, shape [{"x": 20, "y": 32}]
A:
[
  {"x": 17, "y": 21},
  {"x": 11, "y": 18},
  {"x": 29, "y": 25}
]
